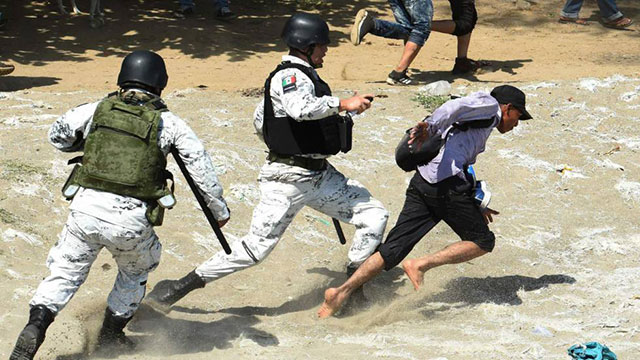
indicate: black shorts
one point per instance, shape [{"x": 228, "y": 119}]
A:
[
  {"x": 425, "y": 205},
  {"x": 464, "y": 15}
]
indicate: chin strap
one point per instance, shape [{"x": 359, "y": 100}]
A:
[{"x": 308, "y": 54}]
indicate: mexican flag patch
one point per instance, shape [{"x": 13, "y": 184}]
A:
[{"x": 289, "y": 83}]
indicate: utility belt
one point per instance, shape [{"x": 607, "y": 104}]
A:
[{"x": 299, "y": 161}]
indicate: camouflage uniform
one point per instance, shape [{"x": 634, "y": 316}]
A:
[
  {"x": 286, "y": 189},
  {"x": 101, "y": 219}
]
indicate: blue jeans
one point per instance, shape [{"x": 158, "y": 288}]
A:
[
  {"x": 413, "y": 21},
  {"x": 218, "y": 4},
  {"x": 608, "y": 9}
]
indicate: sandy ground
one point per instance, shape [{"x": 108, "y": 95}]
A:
[{"x": 567, "y": 186}]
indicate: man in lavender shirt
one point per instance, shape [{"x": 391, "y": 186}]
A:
[{"x": 441, "y": 190}]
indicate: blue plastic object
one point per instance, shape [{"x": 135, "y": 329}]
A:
[
  {"x": 591, "y": 350},
  {"x": 481, "y": 192}
]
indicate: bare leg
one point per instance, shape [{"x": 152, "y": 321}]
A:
[
  {"x": 448, "y": 27},
  {"x": 463, "y": 45},
  {"x": 335, "y": 297},
  {"x": 453, "y": 254},
  {"x": 443, "y": 26},
  {"x": 410, "y": 52}
]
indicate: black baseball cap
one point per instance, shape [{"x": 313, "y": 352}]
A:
[{"x": 507, "y": 94}]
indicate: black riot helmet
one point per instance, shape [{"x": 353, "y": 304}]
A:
[
  {"x": 303, "y": 31},
  {"x": 143, "y": 69}
]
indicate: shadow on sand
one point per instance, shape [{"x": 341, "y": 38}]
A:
[
  {"x": 16, "y": 83},
  {"x": 166, "y": 336},
  {"x": 37, "y": 33},
  {"x": 465, "y": 291},
  {"x": 507, "y": 66}
]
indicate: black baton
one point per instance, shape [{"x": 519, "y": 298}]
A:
[
  {"x": 336, "y": 223},
  {"x": 207, "y": 212}
]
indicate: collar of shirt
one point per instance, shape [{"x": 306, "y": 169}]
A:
[{"x": 295, "y": 60}]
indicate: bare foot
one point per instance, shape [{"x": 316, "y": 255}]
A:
[
  {"x": 415, "y": 275},
  {"x": 333, "y": 299}
]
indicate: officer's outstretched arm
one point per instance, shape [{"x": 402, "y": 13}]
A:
[{"x": 357, "y": 103}]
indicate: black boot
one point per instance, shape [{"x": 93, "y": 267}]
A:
[
  {"x": 168, "y": 292},
  {"x": 32, "y": 335},
  {"x": 111, "y": 334}
]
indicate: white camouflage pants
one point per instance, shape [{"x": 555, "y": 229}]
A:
[
  {"x": 137, "y": 252},
  {"x": 284, "y": 190}
]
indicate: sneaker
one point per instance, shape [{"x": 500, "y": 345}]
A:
[
  {"x": 362, "y": 25},
  {"x": 399, "y": 78},
  {"x": 225, "y": 13},
  {"x": 183, "y": 13},
  {"x": 466, "y": 65}
]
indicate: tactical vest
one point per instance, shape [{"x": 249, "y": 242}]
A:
[
  {"x": 122, "y": 156},
  {"x": 286, "y": 136}
]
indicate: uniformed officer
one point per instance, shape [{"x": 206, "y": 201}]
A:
[
  {"x": 299, "y": 122},
  {"x": 119, "y": 189}
]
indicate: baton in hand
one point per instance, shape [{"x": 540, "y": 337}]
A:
[
  {"x": 203, "y": 205},
  {"x": 336, "y": 223}
]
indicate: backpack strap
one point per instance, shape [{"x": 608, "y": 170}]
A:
[{"x": 474, "y": 124}]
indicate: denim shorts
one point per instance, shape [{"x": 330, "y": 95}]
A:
[{"x": 413, "y": 21}]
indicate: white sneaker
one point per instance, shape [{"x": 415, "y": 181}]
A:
[{"x": 399, "y": 78}]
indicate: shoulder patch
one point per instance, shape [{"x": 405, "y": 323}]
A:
[{"x": 289, "y": 83}]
